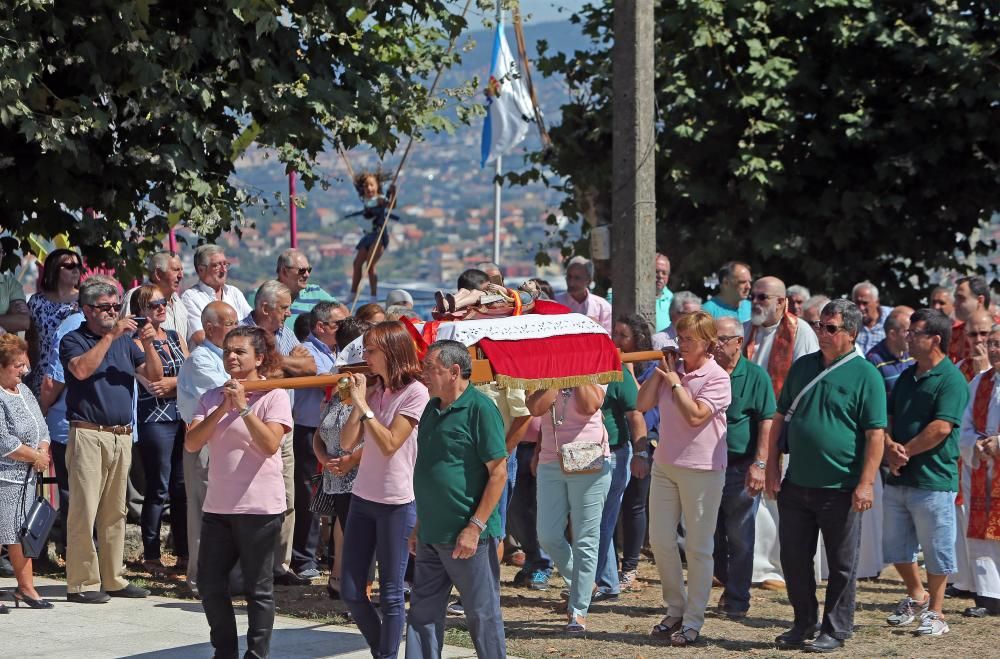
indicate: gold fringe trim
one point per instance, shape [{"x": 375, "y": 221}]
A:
[{"x": 558, "y": 383}]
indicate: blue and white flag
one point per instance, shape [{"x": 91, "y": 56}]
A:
[{"x": 508, "y": 105}]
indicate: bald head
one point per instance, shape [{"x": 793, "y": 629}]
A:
[
  {"x": 728, "y": 326},
  {"x": 768, "y": 301},
  {"x": 977, "y": 329},
  {"x": 218, "y": 318},
  {"x": 896, "y": 325},
  {"x": 730, "y": 332}
]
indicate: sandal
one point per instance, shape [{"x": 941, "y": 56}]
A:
[
  {"x": 666, "y": 627},
  {"x": 684, "y": 636},
  {"x": 574, "y": 626}
]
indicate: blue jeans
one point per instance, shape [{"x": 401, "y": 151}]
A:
[
  {"x": 915, "y": 518},
  {"x": 478, "y": 581},
  {"x": 576, "y": 499},
  {"x": 607, "y": 556},
  {"x": 735, "y": 535},
  {"x": 381, "y": 530},
  {"x": 161, "y": 447},
  {"x": 523, "y": 514},
  {"x": 508, "y": 492}
]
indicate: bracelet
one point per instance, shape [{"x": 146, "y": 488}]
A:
[
  {"x": 676, "y": 385},
  {"x": 245, "y": 412},
  {"x": 477, "y": 522}
]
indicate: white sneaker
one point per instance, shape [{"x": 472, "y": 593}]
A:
[
  {"x": 907, "y": 611},
  {"x": 932, "y": 624}
]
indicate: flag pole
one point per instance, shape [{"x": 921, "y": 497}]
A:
[
  {"x": 293, "y": 228},
  {"x": 497, "y": 187}
]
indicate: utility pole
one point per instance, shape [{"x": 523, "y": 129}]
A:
[{"x": 633, "y": 191}]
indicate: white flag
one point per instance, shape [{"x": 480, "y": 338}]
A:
[{"x": 508, "y": 105}]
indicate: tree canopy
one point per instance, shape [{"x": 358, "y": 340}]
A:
[
  {"x": 822, "y": 141},
  {"x": 128, "y": 111}
]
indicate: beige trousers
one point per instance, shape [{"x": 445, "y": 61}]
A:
[
  {"x": 283, "y": 552},
  {"x": 98, "y": 464},
  {"x": 691, "y": 495},
  {"x": 195, "y": 487}
]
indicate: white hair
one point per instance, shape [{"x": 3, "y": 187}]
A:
[
  {"x": 582, "y": 261},
  {"x": 681, "y": 298},
  {"x": 815, "y": 301},
  {"x": 865, "y": 285},
  {"x": 285, "y": 258},
  {"x": 268, "y": 293},
  {"x": 798, "y": 291},
  {"x": 204, "y": 254}
]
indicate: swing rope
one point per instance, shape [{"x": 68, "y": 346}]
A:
[
  {"x": 522, "y": 52},
  {"x": 395, "y": 177}
]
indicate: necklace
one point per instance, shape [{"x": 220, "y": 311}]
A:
[{"x": 565, "y": 393}]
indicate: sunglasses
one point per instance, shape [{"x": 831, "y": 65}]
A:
[
  {"x": 107, "y": 307},
  {"x": 978, "y": 334},
  {"x": 301, "y": 271},
  {"x": 829, "y": 328},
  {"x": 70, "y": 266},
  {"x": 155, "y": 304}
]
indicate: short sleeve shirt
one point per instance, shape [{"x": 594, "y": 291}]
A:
[
  {"x": 105, "y": 398},
  {"x": 389, "y": 479},
  {"x": 826, "y": 435},
  {"x": 241, "y": 478},
  {"x": 753, "y": 402},
  {"x": 621, "y": 398},
  {"x": 454, "y": 445},
  {"x": 703, "y": 447},
  {"x": 510, "y": 402},
  {"x": 719, "y": 309},
  {"x": 10, "y": 290},
  {"x": 939, "y": 394}
]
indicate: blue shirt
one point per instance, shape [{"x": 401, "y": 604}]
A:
[
  {"x": 869, "y": 336},
  {"x": 107, "y": 396},
  {"x": 55, "y": 418},
  {"x": 284, "y": 338},
  {"x": 719, "y": 309},
  {"x": 663, "y": 309},
  {"x": 308, "y": 298},
  {"x": 201, "y": 371},
  {"x": 309, "y": 401},
  {"x": 889, "y": 366}
]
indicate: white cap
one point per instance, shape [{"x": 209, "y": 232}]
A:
[{"x": 398, "y": 296}]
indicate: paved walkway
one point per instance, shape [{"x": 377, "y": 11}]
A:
[{"x": 156, "y": 627}]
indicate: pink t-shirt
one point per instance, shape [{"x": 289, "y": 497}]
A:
[
  {"x": 596, "y": 307},
  {"x": 389, "y": 479},
  {"x": 241, "y": 479},
  {"x": 575, "y": 427},
  {"x": 703, "y": 447}
]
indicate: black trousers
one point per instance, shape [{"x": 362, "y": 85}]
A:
[
  {"x": 804, "y": 513},
  {"x": 305, "y": 537},
  {"x": 62, "y": 483},
  {"x": 250, "y": 541}
]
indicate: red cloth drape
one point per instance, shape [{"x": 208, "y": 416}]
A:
[{"x": 558, "y": 361}]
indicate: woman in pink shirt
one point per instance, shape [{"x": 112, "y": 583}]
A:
[
  {"x": 245, "y": 500},
  {"x": 571, "y": 415},
  {"x": 382, "y": 512},
  {"x": 689, "y": 467}
]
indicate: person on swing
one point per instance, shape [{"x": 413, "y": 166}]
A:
[{"x": 376, "y": 207}]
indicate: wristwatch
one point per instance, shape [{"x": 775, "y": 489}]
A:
[
  {"x": 760, "y": 464},
  {"x": 478, "y": 523},
  {"x": 367, "y": 416},
  {"x": 641, "y": 454},
  {"x": 245, "y": 412},
  {"x": 676, "y": 385}
]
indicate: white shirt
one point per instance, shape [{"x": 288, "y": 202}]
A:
[
  {"x": 593, "y": 306},
  {"x": 805, "y": 341},
  {"x": 200, "y": 295}
]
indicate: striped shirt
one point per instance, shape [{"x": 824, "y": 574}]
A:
[{"x": 889, "y": 365}]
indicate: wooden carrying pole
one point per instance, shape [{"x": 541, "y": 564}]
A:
[{"x": 481, "y": 373}]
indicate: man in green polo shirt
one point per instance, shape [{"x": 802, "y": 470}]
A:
[
  {"x": 459, "y": 476},
  {"x": 748, "y": 417},
  {"x": 835, "y": 441},
  {"x": 925, "y": 411}
]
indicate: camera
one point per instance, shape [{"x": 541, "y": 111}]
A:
[{"x": 140, "y": 321}]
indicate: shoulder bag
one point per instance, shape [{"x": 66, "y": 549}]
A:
[
  {"x": 577, "y": 457},
  {"x": 783, "y": 437},
  {"x": 38, "y": 520}
]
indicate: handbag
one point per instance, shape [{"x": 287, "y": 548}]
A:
[
  {"x": 38, "y": 521},
  {"x": 322, "y": 503},
  {"x": 783, "y": 435},
  {"x": 578, "y": 457}
]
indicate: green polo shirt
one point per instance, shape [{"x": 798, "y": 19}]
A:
[
  {"x": 753, "y": 402},
  {"x": 826, "y": 436},
  {"x": 619, "y": 399},
  {"x": 450, "y": 475},
  {"x": 916, "y": 400}
]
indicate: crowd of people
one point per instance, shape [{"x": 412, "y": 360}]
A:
[{"x": 782, "y": 438}]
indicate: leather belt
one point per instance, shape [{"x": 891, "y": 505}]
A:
[{"x": 115, "y": 430}]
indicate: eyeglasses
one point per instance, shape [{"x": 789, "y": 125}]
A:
[
  {"x": 913, "y": 332},
  {"x": 762, "y": 297},
  {"x": 301, "y": 271},
  {"x": 727, "y": 339},
  {"x": 224, "y": 265},
  {"x": 107, "y": 307},
  {"x": 993, "y": 344},
  {"x": 154, "y": 304},
  {"x": 70, "y": 266},
  {"x": 829, "y": 328},
  {"x": 978, "y": 334}
]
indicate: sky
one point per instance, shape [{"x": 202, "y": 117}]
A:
[{"x": 549, "y": 10}]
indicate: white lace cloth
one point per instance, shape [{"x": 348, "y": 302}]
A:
[{"x": 512, "y": 328}]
